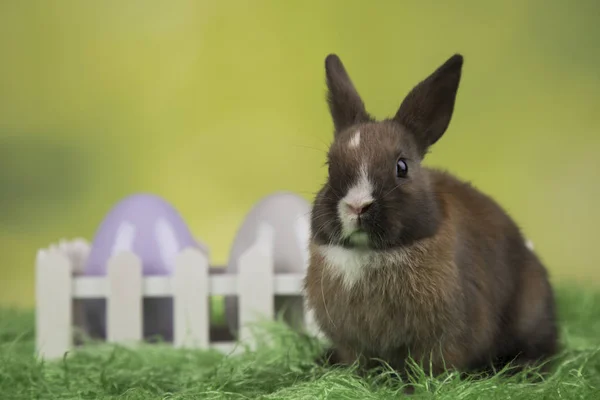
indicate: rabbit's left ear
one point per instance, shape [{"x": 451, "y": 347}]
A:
[
  {"x": 345, "y": 105},
  {"x": 427, "y": 110}
]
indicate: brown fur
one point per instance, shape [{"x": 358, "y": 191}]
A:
[{"x": 448, "y": 277}]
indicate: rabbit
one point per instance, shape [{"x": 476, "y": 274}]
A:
[{"x": 409, "y": 261}]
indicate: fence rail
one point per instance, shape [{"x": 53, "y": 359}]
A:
[
  {"x": 158, "y": 286},
  {"x": 124, "y": 287}
]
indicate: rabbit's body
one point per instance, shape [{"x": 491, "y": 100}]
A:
[
  {"x": 470, "y": 293},
  {"x": 420, "y": 265}
]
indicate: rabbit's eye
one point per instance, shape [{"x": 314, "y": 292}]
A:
[{"x": 401, "y": 168}]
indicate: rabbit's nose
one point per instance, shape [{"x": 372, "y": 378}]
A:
[{"x": 358, "y": 208}]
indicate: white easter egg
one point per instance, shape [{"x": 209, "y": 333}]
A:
[{"x": 289, "y": 215}]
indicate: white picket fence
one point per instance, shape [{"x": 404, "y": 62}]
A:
[{"x": 191, "y": 285}]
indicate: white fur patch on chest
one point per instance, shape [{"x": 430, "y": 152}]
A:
[{"x": 351, "y": 264}]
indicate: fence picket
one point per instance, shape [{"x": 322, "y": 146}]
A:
[
  {"x": 255, "y": 282},
  {"x": 124, "y": 300},
  {"x": 53, "y": 304},
  {"x": 191, "y": 300}
]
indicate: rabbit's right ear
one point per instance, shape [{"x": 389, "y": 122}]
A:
[
  {"x": 345, "y": 105},
  {"x": 427, "y": 109}
]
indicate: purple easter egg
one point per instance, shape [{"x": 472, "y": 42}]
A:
[
  {"x": 152, "y": 229},
  {"x": 146, "y": 225}
]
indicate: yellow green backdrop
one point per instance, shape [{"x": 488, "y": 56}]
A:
[{"x": 214, "y": 104}]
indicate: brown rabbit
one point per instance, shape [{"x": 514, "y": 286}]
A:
[{"x": 410, "y": 261}]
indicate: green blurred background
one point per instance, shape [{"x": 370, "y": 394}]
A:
[{"x": 214, "y": 104}]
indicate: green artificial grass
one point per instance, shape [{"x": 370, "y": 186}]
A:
[{"x": 280, "y": 368}]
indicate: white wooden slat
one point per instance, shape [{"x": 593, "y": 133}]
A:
[
  {"x": 124, "y": 301},
  {"x": 255, "y": 282},
  {"x": 221, "y": 285},
  {"x": 302, "y": 229},
  {"x": 191, "y": 300},
  {"x": 87, "y": 287},
  {"x": 53, "y": 305},
  {"x": 288, "y": 284}
]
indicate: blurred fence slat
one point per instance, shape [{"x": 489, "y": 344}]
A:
[
  {"x": 124, "y": 300},
  {"x": 255, "y": 282},
  {"x": 191, "y": 300},
  {"x": 53, "y": 304}
]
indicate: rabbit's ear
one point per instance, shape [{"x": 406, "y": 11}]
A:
[
  {"x": 427, "y": 109},
  {"x": 345, "y": 104}
]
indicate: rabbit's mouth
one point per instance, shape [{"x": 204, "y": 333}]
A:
[{"x": 358, "y": 238}]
